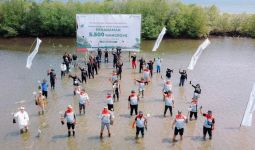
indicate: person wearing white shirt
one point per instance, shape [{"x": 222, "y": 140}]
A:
[
  {"x": 22, "y": 118},
  {"x": 63, "y": 69},
  {"x": 83, "y": 99}
]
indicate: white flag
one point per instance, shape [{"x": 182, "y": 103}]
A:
[
  {"x": 159, "y": 39},
  {"x": 32, "y": 55},
  {"x": 196, "y": 56},
  {"x": 247, "y": 118}
]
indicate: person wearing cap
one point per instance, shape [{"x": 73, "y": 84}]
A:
[
  {"x": 179, "y": 123},
  {"x": 83, "y": 99},
  {"x": 53, "y": 78},
  {"x": 183, "y": 77},
  {"x": 63, "y": 69},
  {"x": 109, "y": 101},
  {"x": 197, "y": 90},
  {"x": 40, "y": 101},
  {"x": 158, "y": 63},
  {"x": 133, "y": 102},
  {"x": 193, "y": 109},
  {"x": 106, "y": 119},
  {"x": 76, "y": 81},
  {"x": 70, "y": 120},
  {"x": 133, "y": 62},
  {"x": 23, "y": 119},
  {"x": 119, "y": 68},
  {"x": 209, "y": 122},
  {"x": 44, "y": 88},
  {"x": 116, "y": 90},
  {"x": 141, "y": 86},
  {"x": 140, "y": 122},
  {"x": 169, "y": 102}
]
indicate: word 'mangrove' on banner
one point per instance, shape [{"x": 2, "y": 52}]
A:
[{"x": 108, "y": 31}]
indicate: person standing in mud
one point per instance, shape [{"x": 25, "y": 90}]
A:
[
  {"x": 83, "y": 100},
  {"x": 209, "y": 122},
  {"x": 106, "y": 120},
  {"x": 197, "y": 90},
  {"x": 63, "y": 69},
  {"x": 183, "y": 77},
  {"x": 23, "y": 119},
  {"x": 115, "y": 59},
  {"x": 40, "y": 101},
  {"x": 90, "y": 70},
  {"x": 169, "y": 102},
  {"x": 70, "y": 117},
  {"x": 53, "y": 78},
  {"x": 109, "y": 101},
  {"x": 141, "y": 64},
  {"x": 141, "y": 86},
  {"x": 76, "y": 81},
  {"x": 99, "y": 53},
  {"x": 44, "y": 88},
  {"x": 141, "y": 123},
  {"x": 133, "y": 102},
  {"x": 133, "y": 62},
  {"x": 169, "y": 73},
  {"x": 119, "y": 68},
  {"x": 179, "y": 123},
  {"x": 84, "y": 75},
  {"x": 150, "y": 66},
  {"x": 75, "y": 64},
  {"x": 94, "y": 65},
  {"x": 98, "y": 60},
  {"x": 106, "y": 55},
  {"x": 116, "y": 90}
]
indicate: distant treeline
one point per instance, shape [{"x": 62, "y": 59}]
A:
[{"x": 27, "y": 18}]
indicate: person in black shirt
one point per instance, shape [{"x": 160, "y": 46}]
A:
[
  {"x": 98, "y": 60},
  {"x": 150, "y": 66},
  {"x": 106, "y": 56},
  {"x": 141, "y": 64},
  {"x": 94, "y": 65},
  {"x": 99, "y": 53},
  {"x": 53, "y": 78},
  {"x": 74, "y": 60},
  {"x": 169, "y": 73},
  {"x": 197, "y": 90},
  {"x": 133, "y": 61},
  {"x": 75, "y": 82},
  {"x": 114, "y": 59},
  {"x": 183, "y": 77},
  {"x": 84, "y": 74},
  {"x": 119, "y": 68},
  {"x": 90, "y": 70}
]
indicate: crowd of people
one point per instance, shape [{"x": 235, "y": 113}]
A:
[{"x": 90, "y": 68}]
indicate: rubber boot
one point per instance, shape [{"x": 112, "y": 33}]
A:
[
  {"x": 73, "y": 133},
  {"x": 69, "y": 133},
  {"x": 101, "y": 135}
]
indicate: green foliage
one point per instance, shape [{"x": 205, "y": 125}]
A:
[{"x": 54, "y": 18}]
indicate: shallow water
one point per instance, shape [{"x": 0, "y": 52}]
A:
[{"x": 225, "y": 72}]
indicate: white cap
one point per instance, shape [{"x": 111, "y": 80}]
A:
[{"x": 22, "y": 108}]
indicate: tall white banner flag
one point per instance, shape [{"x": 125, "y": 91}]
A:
[
  {"x": 32, "y": 55},
  {"x": 159, "y": 39},
  {"x": 196, "y": 56},
  {"x": 247, "y": 118}
]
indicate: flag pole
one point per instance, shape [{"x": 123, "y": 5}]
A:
[{"x": 244, "y": 113}]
